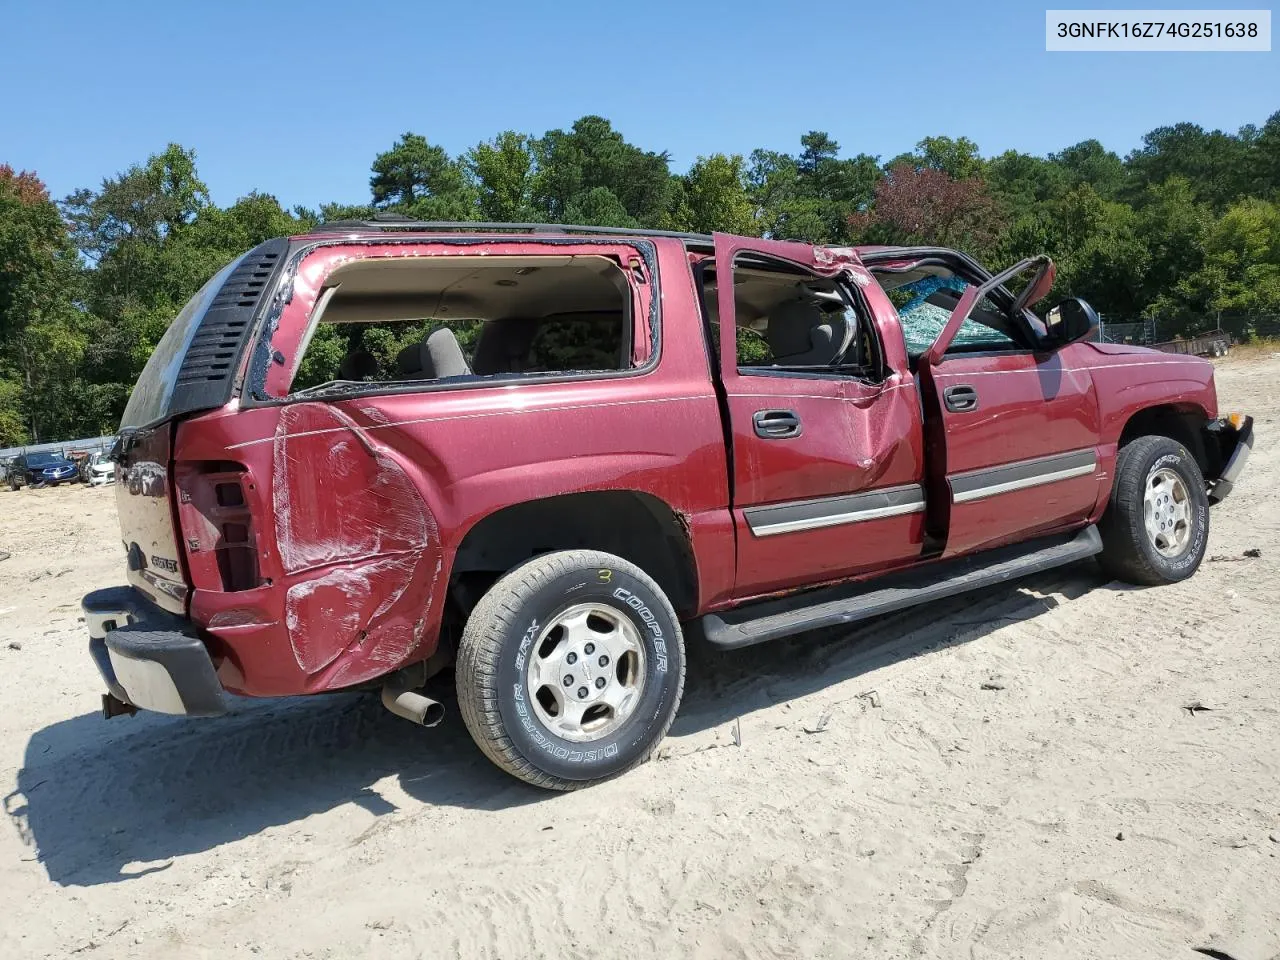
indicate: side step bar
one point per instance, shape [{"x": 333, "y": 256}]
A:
[{"x": 851, "y": 602}]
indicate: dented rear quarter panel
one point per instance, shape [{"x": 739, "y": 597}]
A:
[{"x": 360, "y": 503}]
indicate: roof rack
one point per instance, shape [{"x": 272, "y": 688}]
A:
[{"x": 382, "y": 222}]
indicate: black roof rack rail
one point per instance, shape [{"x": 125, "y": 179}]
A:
[{"x": 393, "y": 222}]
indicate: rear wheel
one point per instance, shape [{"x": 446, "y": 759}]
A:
[
  {"x": 570, "y": 669},
  {"x": 1156, "y": 526}
]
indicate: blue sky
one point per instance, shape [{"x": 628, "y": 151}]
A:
[{"x": 296, "y": 99}]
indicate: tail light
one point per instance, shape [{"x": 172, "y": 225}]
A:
[{"x": 217, "y": 525}]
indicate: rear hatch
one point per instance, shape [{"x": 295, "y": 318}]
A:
[
  {"x": 193, "y": 368},
  {"x": 146, "y": 517}
]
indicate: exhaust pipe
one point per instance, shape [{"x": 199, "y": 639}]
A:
[{"x": 413, "y": 706}]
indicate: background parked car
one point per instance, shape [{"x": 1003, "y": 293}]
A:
[
  {"x": 96, "y": 470},
  {"x": 42, "y": 469}
]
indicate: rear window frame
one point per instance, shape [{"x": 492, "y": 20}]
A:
[{"x": 264, "y": 354}]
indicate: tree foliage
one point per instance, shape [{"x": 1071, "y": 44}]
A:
[{"x": 1184, "y": 227}]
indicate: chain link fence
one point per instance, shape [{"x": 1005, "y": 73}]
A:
[
  {"x": 1242, "y": 327},
  {"x": 66, "y": 448}
]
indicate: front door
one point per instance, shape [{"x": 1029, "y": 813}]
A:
[
  {"x": 826, "y": 447},
  {"x": 1012, "y": 425}
]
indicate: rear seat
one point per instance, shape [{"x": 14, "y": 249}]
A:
[{"x": 438, "y": 356}]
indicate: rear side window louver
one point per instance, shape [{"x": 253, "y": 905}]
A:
[{"x": 206, "y": 376}]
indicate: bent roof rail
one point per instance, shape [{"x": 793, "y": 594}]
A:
[{"x": 379, "y": 224}]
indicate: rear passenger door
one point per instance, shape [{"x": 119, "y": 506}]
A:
[{"x": 826, "y": 444}]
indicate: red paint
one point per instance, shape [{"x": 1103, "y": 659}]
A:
[
  {"x": 1029, "y": 405},
  {"x": 856, "y": 437},
  {"x": 354, "y": 508}
]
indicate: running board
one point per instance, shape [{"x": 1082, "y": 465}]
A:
[{"x": 851, "y": 602}]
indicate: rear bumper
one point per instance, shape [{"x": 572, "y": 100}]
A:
[
  {"x": 148, "y": 657},
  {"x": 1240, "y": 447}
]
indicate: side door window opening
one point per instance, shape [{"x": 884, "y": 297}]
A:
[
  {"x": 926, "y": 291},
  {"x": 790, "y": 321},
  {"x": 385, "y": 322}
]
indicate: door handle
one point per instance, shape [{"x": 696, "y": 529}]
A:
[
  {"x": 961, "y": 398},
  {"x": 776, "y": 424}
]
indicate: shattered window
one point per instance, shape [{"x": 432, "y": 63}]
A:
[{"x": 925, "y": 305}]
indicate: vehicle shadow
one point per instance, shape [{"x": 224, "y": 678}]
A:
[{"x": 100, "y": 803}]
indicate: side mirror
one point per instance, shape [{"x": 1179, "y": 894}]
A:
[{"x": 1071, "y": 321}]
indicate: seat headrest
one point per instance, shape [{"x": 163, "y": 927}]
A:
[
  {"x": 409, "y": 359},
  {"x": 503, "y": 345},
  {"x": 357, "y": 365},
  {"x": 792, "y": 325},
  {"x": 443, "y": 357}
]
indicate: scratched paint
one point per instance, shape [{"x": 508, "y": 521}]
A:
[
  {"x": 339, "y": 497},
  {"x": 354, "y": 534}
]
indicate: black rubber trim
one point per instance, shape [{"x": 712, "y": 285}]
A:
[
  {"x": 1021, "y": 470},
  {"x": 849, "y": 603},
  {"x": 850, "y": 505},
  {"x": 206, "y": 378},
  {"x": 159, "y": 637}
]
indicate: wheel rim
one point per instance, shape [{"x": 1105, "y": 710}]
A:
[
  {"x": 1167, "y": 512},
  {"x": 586, "y": 672}
]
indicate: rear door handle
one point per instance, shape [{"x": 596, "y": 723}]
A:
[
  {"x": 776, "y": 424},
  {"x": 961, "y": 398}
]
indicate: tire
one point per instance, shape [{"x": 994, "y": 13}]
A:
[
  {"x": 517, "y": 621},
  {"x": 1129, "y": 551}
]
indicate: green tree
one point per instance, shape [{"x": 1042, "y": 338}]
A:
[
  {"x": 957, "y": 157},
  {"x": 502, "y": 171},
  {"x": 1241, "y": 269},
  {"x": 122, "y": 228},
  {"x": 578, "y": 170},
  {"x": 421, "y": 180},
  {"x": 810, "y": 196},
  {"x": 42, "y": 334},
  {"x": 1091, "y": 163},
  {"x": 715, "y": 196},
  {"x": 1214, "y": 165}
]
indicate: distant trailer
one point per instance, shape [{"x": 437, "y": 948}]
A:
[{"x": 1216, "y": 343}]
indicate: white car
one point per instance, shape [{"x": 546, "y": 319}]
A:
[{"x": 98, "y": 470}]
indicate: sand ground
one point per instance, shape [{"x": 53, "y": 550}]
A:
[{"x": 1067, "y": 768}]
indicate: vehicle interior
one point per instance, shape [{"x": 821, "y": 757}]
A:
[
  {"x": 789, "y": 319},
  {"x": 437, "y": 318}
]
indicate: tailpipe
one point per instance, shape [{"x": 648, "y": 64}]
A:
[{"x": 413, "y": 706}]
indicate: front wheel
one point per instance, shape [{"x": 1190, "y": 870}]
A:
[
  {"x": 1156, "y": 526},
  {"x": 570, "y": 669}
]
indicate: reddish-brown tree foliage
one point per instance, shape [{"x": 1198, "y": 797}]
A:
[
  {"x": 25, "y": 185},
  {"x": 925, "y": 206}
]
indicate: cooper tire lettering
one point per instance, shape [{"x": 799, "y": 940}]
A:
[{"x": 499, "y": 642}]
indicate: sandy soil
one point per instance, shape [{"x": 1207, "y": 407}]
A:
[{"x": 1067, "y": 768}]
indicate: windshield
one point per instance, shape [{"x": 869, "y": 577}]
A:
[
  {"x": 150, "y": 397},
  {"x": 42, "y": 459}
]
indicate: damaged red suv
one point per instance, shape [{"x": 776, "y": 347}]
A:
[{"x": 363, "y": 455}]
